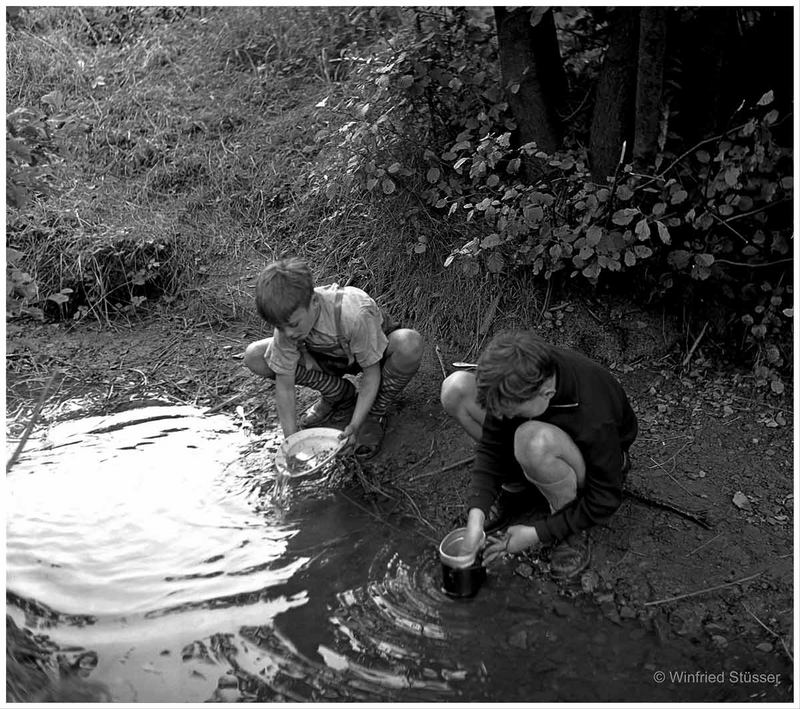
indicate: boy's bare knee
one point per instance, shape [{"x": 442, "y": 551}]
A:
[
  {"x": 407, "y": 345},
  {"x": 455, "y": 390},
  {"x": 254, "y": 360},
  {"x": 534, "y": 444}
]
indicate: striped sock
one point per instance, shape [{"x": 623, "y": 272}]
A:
[
  {"x": 332, "y": 388},
  {"x": 392, "y": 383}
]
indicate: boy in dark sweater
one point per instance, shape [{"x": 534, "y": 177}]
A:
[{"x": 550, "y": 418}]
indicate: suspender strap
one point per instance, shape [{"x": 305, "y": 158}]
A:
[{"x": 337, "y": 308}]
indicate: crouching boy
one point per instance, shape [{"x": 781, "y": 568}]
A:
[
  {"x": 320, "y": 334},
  {"x": 552, "y": 419}
]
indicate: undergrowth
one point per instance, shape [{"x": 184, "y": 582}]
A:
[{"x": 161, "y": 154}]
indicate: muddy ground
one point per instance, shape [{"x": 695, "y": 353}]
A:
[{"x": 709, "y": 444}]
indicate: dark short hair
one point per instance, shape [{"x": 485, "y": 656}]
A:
[
  {"x": 511, "y": 370},
  {"x": 283, "y": 287}
]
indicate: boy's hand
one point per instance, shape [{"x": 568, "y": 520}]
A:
[
  {"x": 474, "y": 536},
  {"x": 348, "y": 437},
  {"x": 516, "y": 538}
]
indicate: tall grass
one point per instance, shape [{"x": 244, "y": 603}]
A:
[{"x": 186, "y": 159}]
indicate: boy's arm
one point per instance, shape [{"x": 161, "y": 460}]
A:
[
  {"x": 285, "y": 403},
  {"x": 370, "y": 383},
  {"x": 494, "y": 457}
]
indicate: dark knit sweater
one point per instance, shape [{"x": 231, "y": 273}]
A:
[{"x": 591, "y": 406}]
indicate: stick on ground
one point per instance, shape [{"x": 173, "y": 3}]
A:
[{"x": 703, "y": 590}]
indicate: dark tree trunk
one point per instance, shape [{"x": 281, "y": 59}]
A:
[
  {"x": 533, "y": 74},
  {"x": 649, "y": 83},
  {"x": 703, "y": 45},
  {"x": 614, "y": 108}
]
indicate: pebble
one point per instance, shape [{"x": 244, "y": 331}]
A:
[
  {"x": 719, "y": 640},
  {"x": 519, "y": 639},
  {"x": 764, "y": 647}
]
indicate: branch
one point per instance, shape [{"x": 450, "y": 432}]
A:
[
  {"x": 37, "y": 410},
  {"x": 703, "y": 590}
]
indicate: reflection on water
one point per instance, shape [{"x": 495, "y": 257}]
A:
[{"x": 158, "y": 547}]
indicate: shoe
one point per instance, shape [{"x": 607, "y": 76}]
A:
[
  {"x": 370, "y": 437},
  {"x": 321, "y": 411},
  {"x": 570, "y": 556}
]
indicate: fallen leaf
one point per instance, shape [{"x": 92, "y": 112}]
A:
[{"x": 741, "y": 501}]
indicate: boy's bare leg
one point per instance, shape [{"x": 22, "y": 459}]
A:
[
  {"x": 458, "y": 396},
  {"x": 336, "y": 392},
  {"x": 551, "y": 461},
  {"x": 403, "y": 357},
  {"x": 254, "y": 358}
]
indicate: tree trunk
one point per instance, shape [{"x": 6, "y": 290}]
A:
[
  {"x": 649, "y": 83},
  {"x": 533, "y": 74},
  {"x": 614, "y": 107}
]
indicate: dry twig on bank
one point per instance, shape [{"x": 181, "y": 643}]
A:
[{"x": 703, "y": 590}]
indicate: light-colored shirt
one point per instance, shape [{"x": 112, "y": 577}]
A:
[{"x": 361, "y": 339}]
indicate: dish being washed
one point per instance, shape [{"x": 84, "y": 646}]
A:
[{"x": 306, "y": 452}]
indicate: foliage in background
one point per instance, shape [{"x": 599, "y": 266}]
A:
[
  {"x": 711, "y": 225},
  {"x": 148, "y": 146}
]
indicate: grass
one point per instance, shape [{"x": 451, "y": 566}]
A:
[{"x": 187, "y": 158}]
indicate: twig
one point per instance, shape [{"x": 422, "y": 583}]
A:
[
  {"x": 29, "y": 427},
  {"x": 704, "y": 544},
  {"x": 383, "y": 521},
  {"x": 441, "y": 362},
  {"x": 771, "y": 632},
  {"x": 661, "y": 504},
  {"x": 216, "y": 408},
  {"x": 702, "y": 590},
  {"x": 694, "y": 346},
  {"x": 671, "y": 476},
  {"x": 446, "y": 468}
]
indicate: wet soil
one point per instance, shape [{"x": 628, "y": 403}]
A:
[{"x": 709, "y": 444}]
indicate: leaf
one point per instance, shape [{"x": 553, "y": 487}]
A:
[
  {"x": 514, "y": 88},
  {"x": 449, "y": 260},
  {"x": 592, "y": 271},
  {"x": 433, "y": 174},
  {"x": 323, "y": 103},
  {"x": 766, "y": 99},
  {"x": 491, "y": 241},
  {"x": 622, "y": 217},
  {"x": 663, "y": 233},
  {"x": 513, "y": 166},
  {"x": 678, "y": 196},
  {"x": 777, "y": 386},
  {"x": 679, "y": 259},
  {"x": 703, "y": 156},
  {"x": 630, "y": 259},
  {"x": 495, "y": 262},
  {"x": 741, "y": 501},
  {"x": 624, "y": 193},
  {"x": 459, "y": 163},
  {"x": 371, "y": 182},
  {"x": 388, "y": 186},
  {"x": 492, "y": 181},
  {"x": 54, "y": 99},
  {"x": 537, "y": 13},
  {"x": 643, "y": 251},
  {"x": 405, "y": 81},
  {"x": 705, "y": 260},
  {"x": 642, "y": 229},
  {"x": 593, "y": 235}
]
